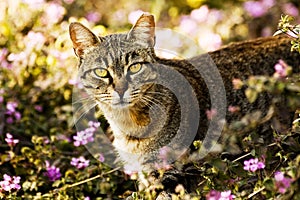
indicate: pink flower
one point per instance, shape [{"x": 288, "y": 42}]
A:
[
  {"x": 34, "y": 40},
  {"x": 237, "y": 83},
  {"x": 10, "y": 183},
  {"x": 253, "y": 165},
  {"x": 38, "y": 108},
  {"x": 188, "y": 25},
  {"x": 258, "y": 8},
  {"x": 10, "y": 140},
  {"x": 281, "y": 69},
  {"x": 53, "y": 13},
  {"x": 200, "y": 14},
  {"x": 234, "y": 109},
  {"x": 93, "y": 17},
  {"x": 3, "y": 61},
  {"x": 216, "y": 195},
  {"x": 290, "y": 9},
  {"x": 12, "y": 112},
  {"x": 80, "y": 162},
  {"x": 282, "y": 183},
  {"x": 211, "y": 113},
  {"x": 101, "y": 157},
  {"x": 52, "y": 172}
]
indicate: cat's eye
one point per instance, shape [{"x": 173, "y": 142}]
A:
[
  {"x": 100, "y": 72},
  {"x": 135, "y": 68}
]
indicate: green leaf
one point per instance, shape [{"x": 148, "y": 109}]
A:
[{"x": 251, "y": 95}]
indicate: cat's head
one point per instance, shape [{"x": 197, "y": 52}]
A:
[{"x": 117, "y": 69}]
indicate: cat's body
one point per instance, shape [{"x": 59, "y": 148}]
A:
[{"x": 145, "y": 116}]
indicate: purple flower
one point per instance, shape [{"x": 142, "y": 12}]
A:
[
  {"x": 11, "y": 112},
  {"x": 52, "y": 172},
  {"x": 87, "y": 135},
  {"x": 80, "y": 162},
  {"x": 282, "y": 183},
  {"x": 258, "y": 8},
  {"x": 93, "y": 17},
  {"x": 290, "y": 9},
  {"x": 10, "y": 140},
  {"x": 216, "y": 195},
  {"x": 281, "y": 69},
  {"x": 101, "y": 157},
  {"x": 38, "y": 108},
  {"x": 10, "y": 183},
  {"x": 253, "y": 164}
]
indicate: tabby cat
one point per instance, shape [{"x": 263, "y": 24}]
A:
[{"x": 125, "y": 77}]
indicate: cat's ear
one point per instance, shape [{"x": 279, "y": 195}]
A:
[
  {"x": 144, "y": 30},
  {"x": 82, "y": 38}
]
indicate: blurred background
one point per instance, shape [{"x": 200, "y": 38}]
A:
[{"x": 38, "y": 69}]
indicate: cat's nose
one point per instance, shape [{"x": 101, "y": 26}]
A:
[{"x": 121, "y": 88}]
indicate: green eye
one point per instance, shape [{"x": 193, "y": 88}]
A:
[
  {"x": 100, "y": 72},
  {"x": 135, "y": 68}
]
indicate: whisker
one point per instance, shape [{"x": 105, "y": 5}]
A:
[{"x": 82, "y": 110}]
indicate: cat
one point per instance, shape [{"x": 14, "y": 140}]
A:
[{"x": 122, "y": 73}]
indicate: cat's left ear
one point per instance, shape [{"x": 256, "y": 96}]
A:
[{"x": 144, "y": 30}]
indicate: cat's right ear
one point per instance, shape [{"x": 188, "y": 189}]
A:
[{"x": 82, "y": 38}]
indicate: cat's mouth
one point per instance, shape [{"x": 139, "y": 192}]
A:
[{"x": 120, "y": 104}]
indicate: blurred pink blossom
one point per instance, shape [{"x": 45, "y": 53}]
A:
[
  {"x": 200, "y": 14},
  {"x": 188, "y": 25},
  {"x": 76, "y": 83},
  {"x": 69, "y": 1},
  {"x": 10, "y": 140},
  {"x": 281, "y": 69},
  {"x": 10, "y": 183},
  {"x": 258, "y": 8},
  {"x": 234, "y": 109},
  {"x": 34, "y": 4},
  {"x": 216, "y": 195},
  {"x": 34, "y": 40},
  {"x": 133, "y": 16},
  {"x": 93, "y": 17},
  {"x": 38, "y": 108},
  {"x": 53, "y": 13},
  {"x": 290, "y": 9},
  {"x": 237, "y": 83},
  {"x": 3, "y": 61},
  {"x": 101, "y": 157},
  {"x": 281, "y": 182},
  {"x": 209, "y": 41},
  {"x": 80, "y": 162},
  {"x": 211, "y": 113}
]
